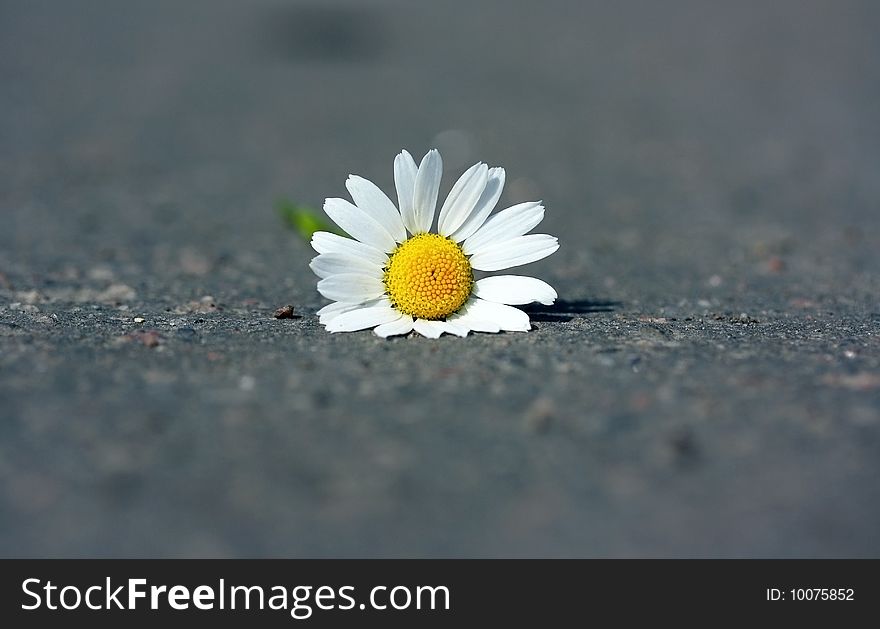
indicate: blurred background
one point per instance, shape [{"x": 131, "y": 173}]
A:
[{"x": 708, "y": 385}]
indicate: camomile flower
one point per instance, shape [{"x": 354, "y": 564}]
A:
[{"x": 395, "y": 275}]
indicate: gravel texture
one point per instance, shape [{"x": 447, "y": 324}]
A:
[{"x": 707, "y": 385}]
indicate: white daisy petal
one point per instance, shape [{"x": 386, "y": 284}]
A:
[
  {"x": 429, "y": 329},
  {"x": 456, "y": 327},
  {"x": 359, "y": 225},
  {"x": 368, "y": 197},
  {"x": 403, "y": 325},
  {"x": 514, "y": 289},
  {"x": 362, "y": 318},
  {"x": 325, "y": 242},
  {"x": 328, "y": 264},
  {"x": 335, "y": 308},
  {"x": 507, "y": 317},
  {"x": 351, "y": 288},
  {"x": 331, "y": 311},
  {"x": 466, "y": 317},
  {"x": 484, "y": 206},
  {"x": 510, "y": 223},
  {"x": 477, "y": 325},
  {"x": 405, "y": 171},
  {"x": 462, "y": 198},
  {"x": 425, "y": 191},
  {"x": 514, "y": 252}
]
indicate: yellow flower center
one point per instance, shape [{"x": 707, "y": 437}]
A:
[{"x": 428, "y": 277}]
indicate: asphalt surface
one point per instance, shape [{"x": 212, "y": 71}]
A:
[{"x": 708, "y": 384}]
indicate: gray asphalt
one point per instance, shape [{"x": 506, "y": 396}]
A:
[{"x": 708, "y": 384}]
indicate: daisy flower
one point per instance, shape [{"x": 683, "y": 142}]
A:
[{"x": 395, "y": 275}]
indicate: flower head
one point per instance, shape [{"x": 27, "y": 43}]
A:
[{"x": 395, "y": 275}]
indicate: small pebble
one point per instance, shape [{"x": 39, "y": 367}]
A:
[{"x": 285, "y": 312}]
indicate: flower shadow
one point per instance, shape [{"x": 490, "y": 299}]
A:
[{"x": 565, "y": 310}]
